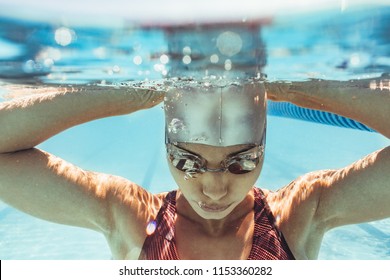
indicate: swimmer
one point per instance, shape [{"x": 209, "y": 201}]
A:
[{"x": 215, "y": 170}]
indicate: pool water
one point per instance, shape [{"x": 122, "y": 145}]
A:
[{"x": 339, "y": 44}]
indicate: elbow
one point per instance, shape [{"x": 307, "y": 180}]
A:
[{"x": 7, "y": 146}]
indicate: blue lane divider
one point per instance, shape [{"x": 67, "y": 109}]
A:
[{"x": 285, "y": 109}]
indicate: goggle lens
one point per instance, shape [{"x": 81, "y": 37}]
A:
[{"x": 189, "y": 163}]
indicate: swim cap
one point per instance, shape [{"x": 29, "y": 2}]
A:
[{"x": 215, "y": 113}]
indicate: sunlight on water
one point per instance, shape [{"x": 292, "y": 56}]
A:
[{"x": 327, "y": 45}]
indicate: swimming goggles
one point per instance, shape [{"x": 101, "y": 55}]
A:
[{"x": 193, "y": 164}]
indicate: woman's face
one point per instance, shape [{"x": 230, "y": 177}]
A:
[{"x": 213, "y": 195}]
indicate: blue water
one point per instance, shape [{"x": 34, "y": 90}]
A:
[{"x": 330, "y": 44}]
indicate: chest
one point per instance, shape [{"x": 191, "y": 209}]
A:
[{"x": 234, "y": 242}]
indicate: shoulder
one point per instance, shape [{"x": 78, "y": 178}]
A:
[
  {"x": 295, "y": 207},
  {"x": 132, "y": 207},
  {"x": 130, "y": 199},
  {"x": 299, "y": 193}
]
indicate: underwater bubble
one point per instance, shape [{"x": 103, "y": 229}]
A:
[
  {"x": 159, "y": 67},
  {"x": 64, "y": 36},
  {"x": 151, "y": 227},
  {"x": 187, "y": 50},
  {"x": 100, "y": 52},
  {"x": 164, "y": 59},
  {"x": 176, "y": 125},
  {"x": 48, "y": 62},
  {"x": 31, "y": 66},
  {"x": 116, "y": 69},
  {"x": 137, "y": 60},
  {"x": 49, "y": 53},
  {"x": 229, "y": 43},
  {"x": 187, "y": 59},
  {"x": 214, "y": 58},
  {"x": 228, "y": 65}
]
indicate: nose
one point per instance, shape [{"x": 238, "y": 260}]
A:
[{"x": 215, "y": 189}]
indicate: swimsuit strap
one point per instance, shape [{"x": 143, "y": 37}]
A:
[
  {"x": 268, "y": 241},
  {"x": 160, "y": 245}
]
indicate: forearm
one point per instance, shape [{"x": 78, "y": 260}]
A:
[
  {"x": 28, "y": 121},
  {"x": 366, "y": 101}
]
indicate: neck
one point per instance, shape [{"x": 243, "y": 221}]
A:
[{"x": 217, "y": 227}]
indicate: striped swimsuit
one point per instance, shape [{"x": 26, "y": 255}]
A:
[{"x": 268, "y": 241}]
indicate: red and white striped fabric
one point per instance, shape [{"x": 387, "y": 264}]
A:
[{"x": 268, "y": 241}]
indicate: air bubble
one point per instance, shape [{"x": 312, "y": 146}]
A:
[
  {"x": 187, "y": 59},
  {"x": 176, "y": 125}
]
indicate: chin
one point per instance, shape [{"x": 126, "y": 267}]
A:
[{"x": 211, "y": 214}]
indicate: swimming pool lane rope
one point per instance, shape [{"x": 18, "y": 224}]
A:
[{"x": 285, "y": 109}]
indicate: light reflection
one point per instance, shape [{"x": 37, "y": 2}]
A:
[
  {"x": 30, "y": 66},
  {"x": 151, "y": 227},
  {"x": 137, "y": 60},
  {"x": 214, "y": 58},
  {"x": 64, "y": 36},
  {"x": 380, "y": 85},
  {"x": 229, "y": 43},
  {"x": 116, "y": 69},
  {"x": 164, "y": 59},
  {"x": 48, "y": 62},
  {"x": 100, "y": 52},
  {"x": 187, "y": 50},
  {"x": 187, "y": 59},
  {"x": 159, "y": 67},
  {"x": 228, "y": 65},
  {"x": 49, "y": 53}
]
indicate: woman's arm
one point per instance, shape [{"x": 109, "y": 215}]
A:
[
  {"x": 28, "y": 121},
  {"x": 50, "y": 188},
  {"x": 359, "y": 192},
  {"x": 366, "y": 101}
]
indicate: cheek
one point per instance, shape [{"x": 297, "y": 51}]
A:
[{"x": 245, "y": 182}]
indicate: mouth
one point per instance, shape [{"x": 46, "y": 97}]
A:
[{"x": 212, "y": 208}]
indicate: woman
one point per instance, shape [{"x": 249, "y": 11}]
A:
[{"x": 216, "y": 203}]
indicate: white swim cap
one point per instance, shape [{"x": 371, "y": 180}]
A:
[{"x": 217, "y": 113}]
